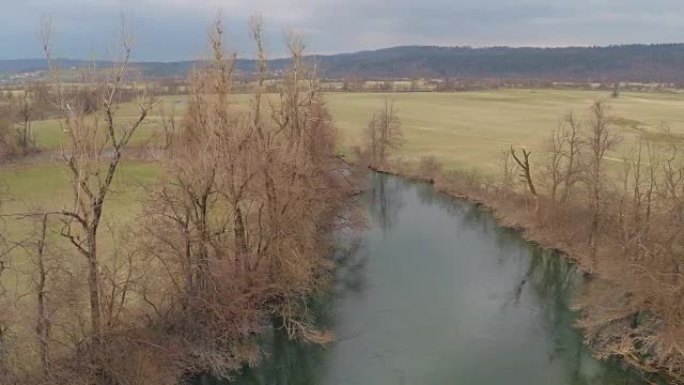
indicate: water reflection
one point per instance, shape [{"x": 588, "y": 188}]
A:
[
  {"x": 384, "y": 200},
  {"x": 437, "y": 293},
  {"x": 300, "y": 363}
]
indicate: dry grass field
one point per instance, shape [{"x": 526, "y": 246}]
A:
[
  {"x": 469, "y": 129},
  {"x": 463, "y": 130}
]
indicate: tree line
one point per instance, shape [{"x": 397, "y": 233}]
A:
[{"x": 630, "y": 63}]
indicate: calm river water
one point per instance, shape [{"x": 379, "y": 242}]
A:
[{"x": 437, "y": 293}]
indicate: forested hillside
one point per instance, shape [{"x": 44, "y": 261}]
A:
[{"x": 644, "y": 63}]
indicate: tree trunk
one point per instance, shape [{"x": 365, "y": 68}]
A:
[
  {"x": 43, "y": 324},
  {"x": 240, "y": 242},
  {"x": 94, "y": 283}
]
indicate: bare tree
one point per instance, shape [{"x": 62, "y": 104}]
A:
[
  {"x": 92, "y": 141},
  {"x": 237, "y": 227},
  {"x": 5, "y": 315},
  {"x": 43, "y": 318},
  {"x": 168, "y": 124},
  {"x": 383, "y": 133},
  {"x": 564, "y": 166},
  {"x": 599, "y": 139},
  {"x": 25, "y": 115},
  {"x": 526, "y": 175},
  {"x": 616, "y": 90},
  {"x": 524, "y": 164}
]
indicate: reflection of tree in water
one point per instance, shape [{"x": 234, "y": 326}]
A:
[
  {"x": 470, "y": 215},
  {"x": 287, "y": 363},
  {"x": 385, "y": 199},
  {"x": 290, "y": 362},
  {"x": 553, "y": 277},
  {"x": 429, "y": 196},
  {"x": 477, "y": 218},
  {"x": 350, "y": 263},
  {"x": 554, "y": 281}
]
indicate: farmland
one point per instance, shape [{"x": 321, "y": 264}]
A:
[
  {"x": 466, "y": 130},
  {"x": 463, "y": 130}
]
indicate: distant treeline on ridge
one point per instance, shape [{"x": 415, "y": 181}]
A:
[{"x": 662, "y": 63}]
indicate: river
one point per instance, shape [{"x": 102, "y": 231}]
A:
[{"x": 437, "y": 293}]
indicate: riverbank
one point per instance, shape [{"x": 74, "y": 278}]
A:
[
  {"x": 436, "y": 292},
  {"x": 616, "y": 318}
]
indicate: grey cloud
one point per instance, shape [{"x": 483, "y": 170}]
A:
[{"x": 176, "y": 29}]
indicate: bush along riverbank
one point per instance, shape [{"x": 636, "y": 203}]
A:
[{"x": 631, "y": 306}]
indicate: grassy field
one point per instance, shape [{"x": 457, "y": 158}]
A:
[
  {"x": 45, "y": 187},
  {"x": 466, "y": 129},
  {"x": 463, "y": 130},
  {"x": 49, "y": 134},
  {"x": 469, "y": 129}
]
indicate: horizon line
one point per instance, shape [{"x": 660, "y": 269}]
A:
[{"x": 327, "y": 54}]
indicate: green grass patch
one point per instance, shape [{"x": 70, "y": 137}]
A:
[{"x": 47, "y": 185}]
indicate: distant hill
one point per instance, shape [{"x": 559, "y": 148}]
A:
[
  {"x": 658, "y": 63},
  {"x": 13, "y": 66},
  {"x": 637, "y": 62}
]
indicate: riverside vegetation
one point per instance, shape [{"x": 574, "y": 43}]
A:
[
  {"x": 231, "y": 239},
  {"x": 623, "y": 225}
]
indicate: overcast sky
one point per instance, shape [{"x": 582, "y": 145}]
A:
[{"x": 176, "y": 29}]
